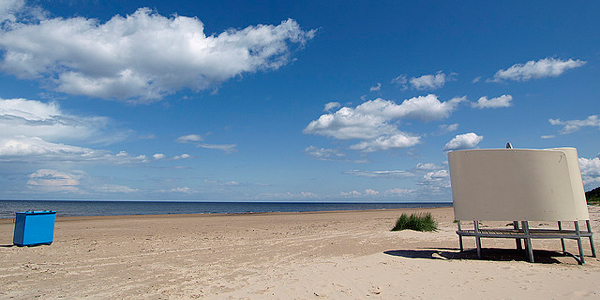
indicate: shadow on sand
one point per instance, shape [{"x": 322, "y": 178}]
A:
[{"x": 491, "y": 254}]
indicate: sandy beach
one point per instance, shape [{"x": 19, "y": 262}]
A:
[{"x": 316, "y": 255}]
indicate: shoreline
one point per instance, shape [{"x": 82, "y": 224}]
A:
[
  {"x": 286, "y": 255},
  {"x": 116, "y": 208},
  {"x": 192, "y": 215}
]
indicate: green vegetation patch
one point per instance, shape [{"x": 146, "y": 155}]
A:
[
  {"x": 593, "y": 196},
  {"x": 417, "y": 222}
]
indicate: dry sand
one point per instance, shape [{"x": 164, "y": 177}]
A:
[{"x": 322, "y": 255}]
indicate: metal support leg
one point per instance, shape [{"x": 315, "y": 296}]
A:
[
  {"x": 477, "y": 239},
  {"x": 581, "y": 258},
  {"x": 528, "y": 246},
  {"x": 460, "y": 241},
  {"x": 562, "y": 241},
  {"x": 589, "y": 228},
  {"x": 518, "y": 241}
]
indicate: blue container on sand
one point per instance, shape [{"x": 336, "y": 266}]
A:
[{"x": 34, "y": 228}]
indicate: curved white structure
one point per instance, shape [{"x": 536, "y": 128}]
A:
[{"x": 519, "y": 185}]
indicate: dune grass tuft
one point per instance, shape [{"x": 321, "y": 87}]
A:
[{"x": 417, "y": 222}]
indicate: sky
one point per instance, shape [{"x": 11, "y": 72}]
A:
[{"x": 333, "y": 101}]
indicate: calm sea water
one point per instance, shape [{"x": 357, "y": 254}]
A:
[{"x": 116, "y": 208}]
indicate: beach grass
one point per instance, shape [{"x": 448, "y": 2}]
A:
[{"x": 417, "y": 222}]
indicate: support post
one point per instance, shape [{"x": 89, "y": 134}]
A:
[
  {"x": 562, "y": 241},
  {"x": 581, "y": 258},
  {"x": 460, "y": 241},
  {"x": 589, "y": 228},
  {"x": 518, "y": 241},
  {"x": 477, "y": 238},
  {"x": 528, "y": 246}
]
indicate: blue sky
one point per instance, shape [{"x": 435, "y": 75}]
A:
[{"x": 286, "y": 100}]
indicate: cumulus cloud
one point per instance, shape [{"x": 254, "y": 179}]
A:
[
  {"x": 331, "y": 106},
  {"x": 546, "y": 67},
  {"x": 434, "y": 183},
  {"x": 571, "y": 126},
  {"x": 34, "y": 131},
  {"x": 49, "y": 122},
  {"x": 47, "y": 180},
  {"x": 590, "y": 171},
  {"x": 463, "y": 141},
  {"x": 371, "y": 192},
  {"x": 182, "y": 156},
  {"x": 373, "y": 121},
  {"x": 8, "y": 9},
  {"x": 502, "y": 101},
  {"x": 430, "y": 82},
  {"x": 143, "y": 56},
  {"x": 159, "y": 156},
  {"x": 387, "y": 142}
]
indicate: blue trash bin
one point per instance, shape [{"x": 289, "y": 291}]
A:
[{"x": 34, "y": 228}]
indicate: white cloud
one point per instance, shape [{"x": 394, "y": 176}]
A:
[
  {"x": 571, "y": 126},
  {"x": 324, "y": 154},
  {"x": 446, "y": 128},
  {"x": 502, "y": 101},
  {"x": 33, "y": 131},
  {"x": 547, "y": 67},
  {"x": 590, "y": 171},
  {"x": 375, "y": 88},
  {"x": 182, "y": 156},
  {"x": 196, "y": 139},
  {"x": 47, "y": 180},
  {"x": 287, "y": 196},
  {"x": 351, "y": 194},
  {"x": 190, "y": 138},
  {"x": 430, "y": 82},
  {"x": 398, "y": 192},
  {"x": 159, "y": 156},
  {"x": 401, "y": 82},
  {"x": 435, "y": 183},
  {"x": 380, "y": 174},
  {"x": 227, "y": 148},
  {"x": 331, "y": 106},
  {"x": 396, "y": 141},
  {"x": 141, "y": 57},
  {"x": 113, "y": 188},
  {"x": 427, "y": 167},
  {"x": 371, "y": 192},
  {"x": 463, "y": 141},
  {"x": 8, "y": 9},
  {"x": 374, "y": 121},
  {"x": 545, "y": 137},
  {"x": 419, "y": 169},
  {"x": 36, "y": 150},
  {"x": 49, "y": 122},
  {"x": 182, "y": 190}
]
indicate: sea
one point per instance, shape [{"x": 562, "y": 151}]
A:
[{"x": 118, "y": 208}]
